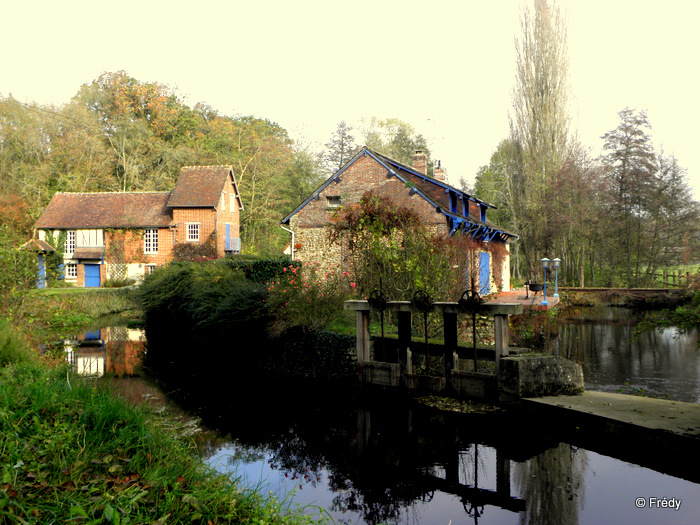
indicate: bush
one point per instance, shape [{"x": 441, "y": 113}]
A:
[
  {"x": 259, "y": 270},
  {"x": 191, "y": 306},
  {"x": 307, "y": 296},
  {"x": 317, "y": 354}
]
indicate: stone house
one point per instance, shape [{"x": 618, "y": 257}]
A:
[
  {"x": 126, "y": 235},
  {"x": 447, "y": 210}
]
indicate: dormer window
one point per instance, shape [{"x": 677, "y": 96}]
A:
[{"x": 333, "y": 201}]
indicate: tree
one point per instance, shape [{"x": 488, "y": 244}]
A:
[
  {"x": 395, "y": 139},
  {"x": 341, "y": 148},
  {"x": 501, "y": 184},
  {"x": 631, "y": 166},
  {"x": 539, "y": 120}
]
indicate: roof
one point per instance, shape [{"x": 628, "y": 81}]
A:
[
  {"x": 89, "y": 253},
  {"x": 74, "y": 211},
  {"x": 37, "y": 245},
  {"x": 435, "y": 192},
  {"x": 201, "y": 187}
]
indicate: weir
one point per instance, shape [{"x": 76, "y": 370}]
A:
[{"x": 453, "y": 379}]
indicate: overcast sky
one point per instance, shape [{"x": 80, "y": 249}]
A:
[{"x": 445, "y": 67}]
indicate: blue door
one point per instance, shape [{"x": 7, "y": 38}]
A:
[
  {"x": 41, "y": 280},
  {"x": 92, "y": 276},
  {"x": 228, "y": 237},
  {"x": 484, "y": 273}
]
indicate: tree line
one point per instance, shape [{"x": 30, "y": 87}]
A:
[
  {"x": 614, "y": 220},
  {"x": 120, "y": 134}
]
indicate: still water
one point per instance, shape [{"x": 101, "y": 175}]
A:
[
  {"x": 369, "y": 459},
  {"x": 663, "y": 363},
  {"x": 373, "y": 461}
]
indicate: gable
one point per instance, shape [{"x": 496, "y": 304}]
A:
[
  {"x": 201, "y": 187},
  {"x": 72, "y": 211},
  {"x": 437, "y": 195}
]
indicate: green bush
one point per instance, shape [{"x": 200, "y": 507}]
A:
[
  {"x": 190, "y": 306},
  {"x": 259, "y": 270}
]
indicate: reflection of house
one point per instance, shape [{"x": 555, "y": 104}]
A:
[
  {"x": 446, "y": 209},
  {"x": 126, "y": 235},
  {"x": 115, "y": 350}
]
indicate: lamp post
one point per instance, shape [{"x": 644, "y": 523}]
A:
[
  {"x": 556, "y": 263},
  {"x": 545, "y": 265}
]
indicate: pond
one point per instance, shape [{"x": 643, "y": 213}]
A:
[
  {"x": 370, "y": 460},
  {"x": 662, "y": 363},
  {"x": 367, "y": 457}
]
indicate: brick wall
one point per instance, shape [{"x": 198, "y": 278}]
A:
[{"x": 363, "y": 175}]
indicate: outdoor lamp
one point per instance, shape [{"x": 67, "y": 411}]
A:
[
  {"x": 556, "y": 263},
  {"x": 545, "y": 265}
]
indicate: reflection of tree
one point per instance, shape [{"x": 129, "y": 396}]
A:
[{"x": 552, "y": 485}]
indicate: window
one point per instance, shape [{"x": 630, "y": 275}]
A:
[
  {"x": 333, "y": 201},
  {"x": 231, "y": 202},
  {"x": 149, "y": 269},
  {"x": 150, "y": 241},
  {"x": 69, "y": 246},
  {"x": 89, "y": 238},
  {"x": 192, "y": 232},
  {"x": 223, "y": 201},
  {"x": 71, "y": 271}
]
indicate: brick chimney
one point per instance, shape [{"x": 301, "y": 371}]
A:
[
  {"x": 439, "y": 173},
  {"x": 420, "y": 162}
]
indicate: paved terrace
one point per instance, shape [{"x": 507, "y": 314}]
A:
[{"x": 529, "y": 300}]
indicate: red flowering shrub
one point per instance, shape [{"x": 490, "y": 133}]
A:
[{"x": 307, "y": 296}]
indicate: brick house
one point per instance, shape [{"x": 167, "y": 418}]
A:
[
  {"x": 446, "y": 209},
  {"x": 126, "y": 235}
]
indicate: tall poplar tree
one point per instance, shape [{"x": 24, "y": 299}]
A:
[{"x": 539, "y": 121}]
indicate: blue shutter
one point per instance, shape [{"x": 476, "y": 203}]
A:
[{"x": 484, "y": 273}]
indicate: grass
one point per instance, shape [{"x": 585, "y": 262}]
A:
[
  {"x": 52, "y": 314},
  {"x": 72, "y": 452}
]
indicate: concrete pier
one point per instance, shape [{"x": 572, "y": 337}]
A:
[{"x": 662, "y": 416}]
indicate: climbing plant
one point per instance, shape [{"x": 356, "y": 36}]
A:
[{"x": 391, "y": 247}]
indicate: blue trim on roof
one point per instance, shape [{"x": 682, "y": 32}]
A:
[
  {"x": 316, "y": 193},
  {"x": 387, "y": 163}
]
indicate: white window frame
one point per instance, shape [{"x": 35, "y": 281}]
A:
[
  {"x": 70, "y": 271},
  {"x": 192, "y": 231},
  {"x": 150, "y": 240},
  {"x": 149, "y": 269},
  {"x": 69, "y": 245}
]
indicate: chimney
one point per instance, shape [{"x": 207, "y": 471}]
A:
[
  {"x": 440, "y": 173},
  {"x": 420, "y": 162}
]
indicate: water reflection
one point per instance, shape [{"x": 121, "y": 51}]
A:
[
  {"x": 403, "y": 464},
  {"x": 662, "y": 363},
  {"x": 113, "y": 350}
]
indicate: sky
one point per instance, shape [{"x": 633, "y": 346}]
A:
[{"x": 446, "y": 67}]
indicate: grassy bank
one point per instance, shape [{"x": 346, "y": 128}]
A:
[{"x": 71, "y": 452}]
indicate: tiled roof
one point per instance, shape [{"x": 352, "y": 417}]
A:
[
  {"x": 89, "y": 253},
  {"x": 437, "y": 193},
  {"x": 36, "y": 245},
  {"x": 105, "y": 210},
  {"x": 199, "y": 187}
]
